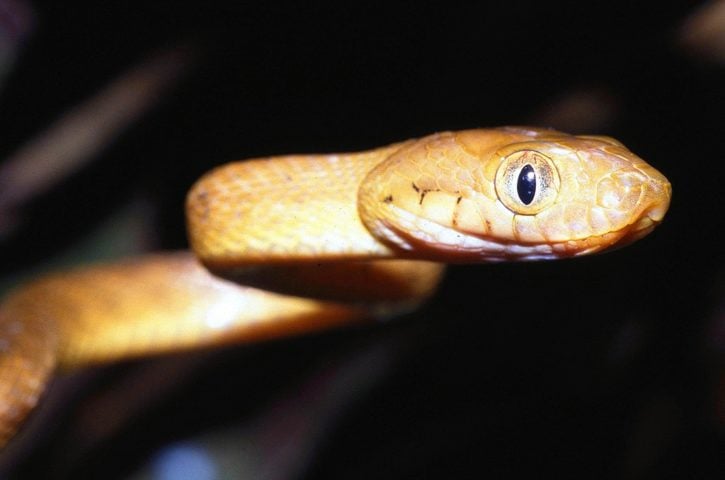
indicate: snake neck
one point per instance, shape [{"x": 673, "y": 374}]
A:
[{"x": 285, "y": 210}]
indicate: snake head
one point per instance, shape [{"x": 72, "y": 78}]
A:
[{"x": 512, "y": 194}]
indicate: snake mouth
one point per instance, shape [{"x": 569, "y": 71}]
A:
[
  {"x": 448, "y": 245},
  {"x": 644, "y": 225}
]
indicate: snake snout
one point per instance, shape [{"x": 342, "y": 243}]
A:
[
  {"x": 659, "y": 193},
  {"x": 636, "y": 199},
  {"x": 660, "y": 203},
  {"x": 655, "y": 202}
]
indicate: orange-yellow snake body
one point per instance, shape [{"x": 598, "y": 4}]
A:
[{"x": 339, "y": 238}]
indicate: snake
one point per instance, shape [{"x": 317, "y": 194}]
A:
[{"x": 299, "y": 243}]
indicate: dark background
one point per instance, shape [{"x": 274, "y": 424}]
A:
[{"x": 604, "y": 367}]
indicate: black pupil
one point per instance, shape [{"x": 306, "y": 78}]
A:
[{"x": 526, "y": 185}]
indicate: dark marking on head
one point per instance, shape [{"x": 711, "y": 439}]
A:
[
  {"x": 388, "y": 199},
  {"x": 488, "y": 225},
  {"x": 458, "y": 200},
  {"x": 423, "y": 192},
  {"x": 454, "y": 220}
]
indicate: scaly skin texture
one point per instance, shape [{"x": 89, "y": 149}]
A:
[{"x": 341, "y": 238}]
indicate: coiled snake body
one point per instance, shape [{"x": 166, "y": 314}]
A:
[{"x": 338, "y": 237}]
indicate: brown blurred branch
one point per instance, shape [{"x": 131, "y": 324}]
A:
[{"x": 79, "y": 135}]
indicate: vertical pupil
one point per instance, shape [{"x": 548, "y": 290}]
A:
[{"x": 526, "y": 184}]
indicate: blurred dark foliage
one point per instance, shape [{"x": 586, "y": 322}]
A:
[{"x": 603, "y": 367}]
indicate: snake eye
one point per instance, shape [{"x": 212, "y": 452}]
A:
[{"x": 527, "y": 182}]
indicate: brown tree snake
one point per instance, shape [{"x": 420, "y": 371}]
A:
[{"x": 339, "y": 238}]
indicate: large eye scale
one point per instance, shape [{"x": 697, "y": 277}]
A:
[
  {"x": 526, "y": 181},
  {"x": 526, "y": 184}
]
